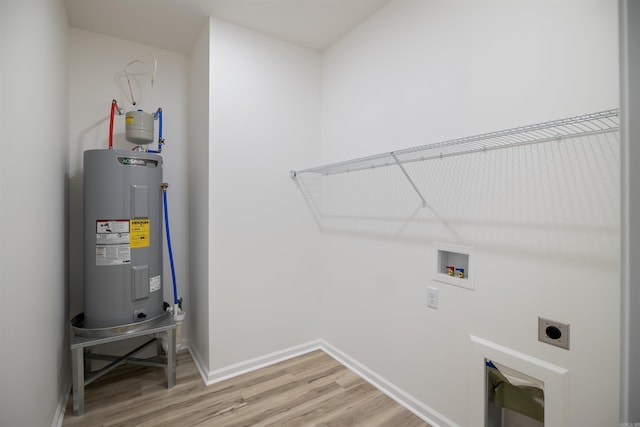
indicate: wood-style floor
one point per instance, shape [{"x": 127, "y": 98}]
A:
[{"x": 311, "y": 390}]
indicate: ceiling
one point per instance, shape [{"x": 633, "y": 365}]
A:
[{"x": 175, "y": 24}]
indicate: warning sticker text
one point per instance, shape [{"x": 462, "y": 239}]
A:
[{"x": 139, "y": 233}]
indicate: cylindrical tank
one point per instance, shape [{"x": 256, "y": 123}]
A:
[
  {"x": 122, "y": 237},
  {"x": 138, "y": 127}
]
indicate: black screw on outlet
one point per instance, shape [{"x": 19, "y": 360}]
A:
[{"x": 553, "y": 332}]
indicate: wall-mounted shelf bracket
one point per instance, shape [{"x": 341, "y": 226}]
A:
[{"x": 413, "y": 184}]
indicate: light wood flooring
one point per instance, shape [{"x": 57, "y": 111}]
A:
[{"x": 311, "y": 390}]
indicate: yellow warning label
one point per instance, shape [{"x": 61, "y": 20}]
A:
[
  {"x": 139, "y": 237},
  {"x": 129, "y": 120}
]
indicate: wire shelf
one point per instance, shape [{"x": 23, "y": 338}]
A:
[{"x": 583, "y": 125}]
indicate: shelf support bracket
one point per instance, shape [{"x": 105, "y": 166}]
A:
[{"x": 404, "y": 171}]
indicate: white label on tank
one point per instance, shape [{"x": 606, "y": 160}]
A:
[
  {"x": 113, "y": 254},
  {"x": 154, "y": 283},
  {"x": 112, "y": 226},
  {"x": 112, "y": 232},
  {"x": 112, "y": 238},
  {"x": 113, "y": 242}
]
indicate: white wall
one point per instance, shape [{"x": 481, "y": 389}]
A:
[
  {"x": 94, "y": 66},
  {"x": 264, "y": 245},
  {"x": 33, "y": 197},
  {"x": 199, "y": 206},
  {"x": 543, "y": 220}
]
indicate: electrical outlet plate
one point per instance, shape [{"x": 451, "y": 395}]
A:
[
  {"x": 554, "y": 333},
  {"x": 432, "y": 297}
]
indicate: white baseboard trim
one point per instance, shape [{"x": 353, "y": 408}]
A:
[
  {"x": 259, "y": 362},
  {"x": 58, "y": 418},
  {"x": 421, "y": 410},
  {"x": 201, "y": 366}
]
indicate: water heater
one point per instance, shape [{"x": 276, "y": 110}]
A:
[{"x": 122, "y": 237}]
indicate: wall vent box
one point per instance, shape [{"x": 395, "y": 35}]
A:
[{"x": 460, "y": 259}]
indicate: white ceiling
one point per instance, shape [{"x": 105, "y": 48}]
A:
[{"x": 175, "y": 24}]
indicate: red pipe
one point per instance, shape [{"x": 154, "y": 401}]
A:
[{"x": 114, "y": 106}]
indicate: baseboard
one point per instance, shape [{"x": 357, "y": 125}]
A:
[
  {"x": 412, "y": 404},
  {"x": 259, "y": 362},
  {"x": 58, "y": 418},
  {"x": 201, "y": 366}
]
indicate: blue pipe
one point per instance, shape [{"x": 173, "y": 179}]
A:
[
  {"x": 166, "y": 223},
  {"x": 158, "y": 115}
]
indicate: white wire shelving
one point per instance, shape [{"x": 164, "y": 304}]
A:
[
  {"x": 556, "y": 130},
  {"x": 583, "y": 125}
]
